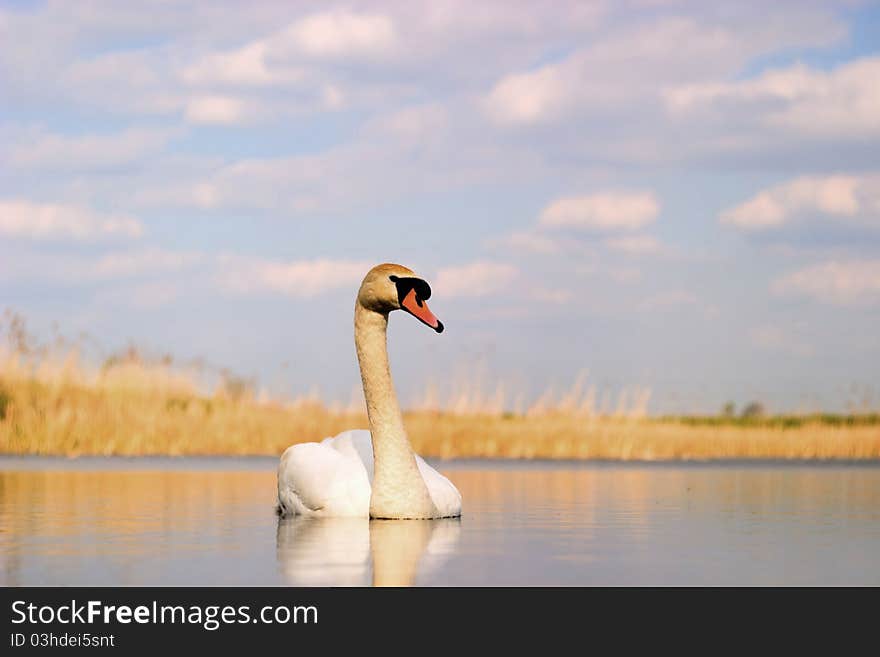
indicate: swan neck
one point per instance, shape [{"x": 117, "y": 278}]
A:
[
  {"x": 383, "y": 410},
  {"x": 398, "y": 489}
]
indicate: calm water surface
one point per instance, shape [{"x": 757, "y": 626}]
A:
[{"x": 211, "y": 521}]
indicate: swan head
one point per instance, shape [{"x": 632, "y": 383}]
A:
[{"x": 390, "y": 287}]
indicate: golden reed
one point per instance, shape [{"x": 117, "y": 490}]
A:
[{"x": 130, "y": 407}]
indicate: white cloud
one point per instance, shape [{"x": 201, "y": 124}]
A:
[
  {"x": 643, "y": 60},
  {"x": 315, "y": 62},
  {"x": 303, "y": 279},
  {"x": 245, "y": 66},
  {"x": 402, "y": 155},
  {"x": 227, "y": 65},
  {"x": 853, "y": 282},
  {"x": 147, "y": 266},
  {"x": 476, "y": 279},
  {"x": 622, "y": 98},
  {"x": 149, "y": 262},
  {"x": 215, "y": 109},
  {"x": 305, "y": 55},
  {"x": 342, "y": 33},
  {"x": 46, "y": 221},
  {"x": 634, "y": 244},
  {"x": 412, "y": 124},
  {"x": 277, "y": 71},
  {"x": 297, "y": 184},
  {"x": 153, "y": 270},
  {"x": 606, "y": 212},
  {"x": 130, "y": 83},
  {"x": 846, "y": 197},
  {"x": 141, "y": 296},
  {"x": 529, "y": 241},
  {"x": 533, "y": 97},
  {"x": 56, "y": 152},
  {"x": 843, "y": 102}
]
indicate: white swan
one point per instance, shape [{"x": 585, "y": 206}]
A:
[{"x": 371, "y": 473}]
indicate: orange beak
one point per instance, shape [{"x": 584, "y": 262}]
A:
[{"x": 419, "y": 309}]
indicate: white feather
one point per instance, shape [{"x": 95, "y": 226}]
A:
[{"x": 333, "y": 479}]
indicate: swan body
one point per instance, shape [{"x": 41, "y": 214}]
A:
[
  {"x": 371, "y": 473},
  {"x": 334, "y": 478}
]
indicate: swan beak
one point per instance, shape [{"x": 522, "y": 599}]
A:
[{"x": 415, "y": 306}]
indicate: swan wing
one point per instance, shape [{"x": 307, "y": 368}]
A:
[
  {"x": 314, "y": 479},
  {"x": 334, "y": 477},
  {"x": 358, "y": 444},
  {"x": 443, "y": 492},
  {"x": 354, "y": 444}
]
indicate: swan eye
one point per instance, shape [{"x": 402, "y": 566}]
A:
[{"x": 404, "y": 285}]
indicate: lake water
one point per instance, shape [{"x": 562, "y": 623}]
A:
[{"x": 211, "y": 521}]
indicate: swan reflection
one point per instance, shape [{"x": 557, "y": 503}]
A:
[{"x": 359, "y": 551}]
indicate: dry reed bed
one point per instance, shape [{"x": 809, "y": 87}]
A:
[
  {"x": 566, "y": 437},
  {"x": 132, "y": 409}
]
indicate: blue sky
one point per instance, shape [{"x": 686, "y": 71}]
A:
[{"x": 677, "y": 196}]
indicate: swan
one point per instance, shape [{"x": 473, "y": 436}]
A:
[{"x": 375, "y": 473}]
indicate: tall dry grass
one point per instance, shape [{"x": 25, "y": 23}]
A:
[
  {"x": 131, "y": 407},
  {"x": 53, "y": 403}
]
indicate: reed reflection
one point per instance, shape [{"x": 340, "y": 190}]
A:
[{"x": 358, "y": 551}]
